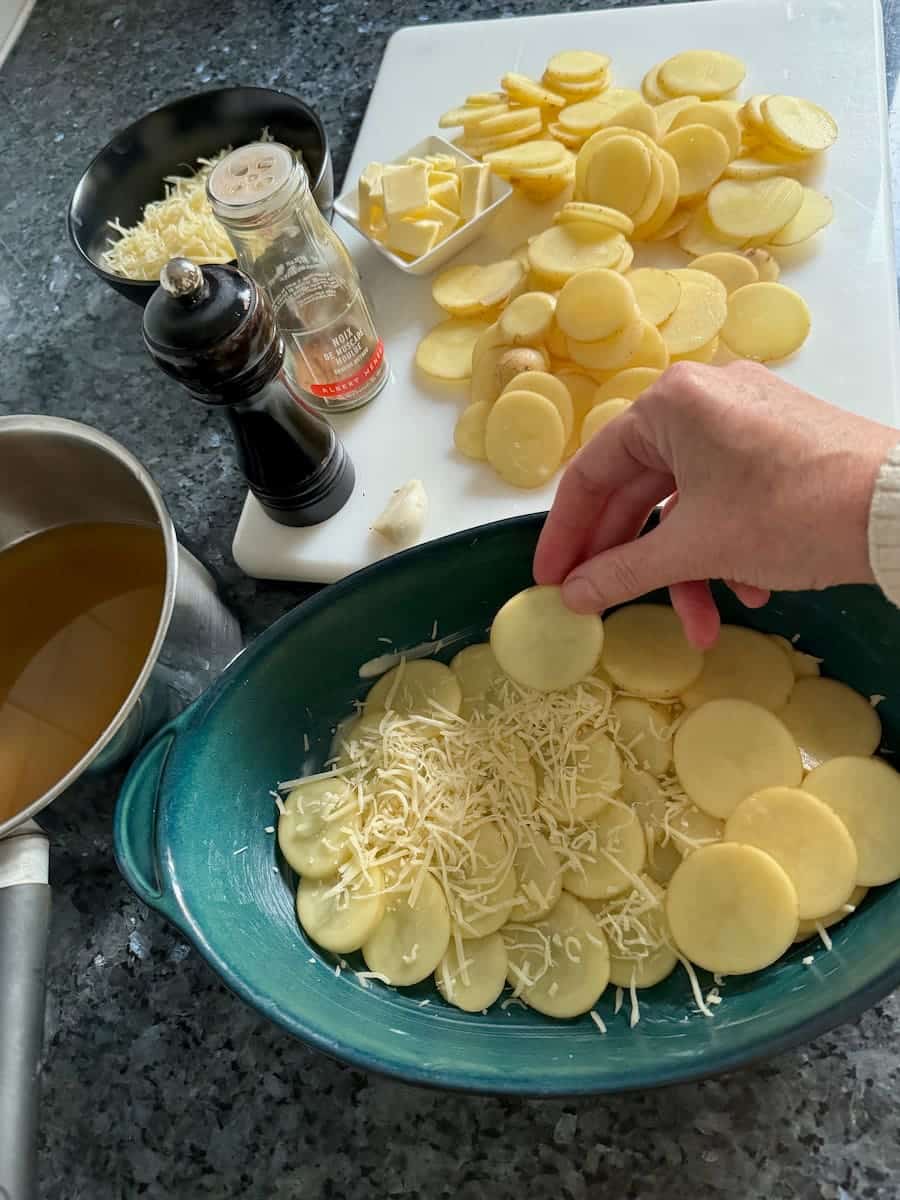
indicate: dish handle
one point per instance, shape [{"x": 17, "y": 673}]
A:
[{"x": 135, "y": 822}]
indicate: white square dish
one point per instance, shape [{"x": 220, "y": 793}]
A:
[{"x": 347, "y": 206}]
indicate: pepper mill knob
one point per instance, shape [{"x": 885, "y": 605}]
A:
[{"x": 181, "y": 278}]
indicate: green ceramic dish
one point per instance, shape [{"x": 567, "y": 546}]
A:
[{"x": 189, "y": 835}]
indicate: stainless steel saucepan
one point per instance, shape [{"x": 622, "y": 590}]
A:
[{"x": 52, "y": 473}]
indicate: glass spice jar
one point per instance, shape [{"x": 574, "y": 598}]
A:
[{"x": 260, "y": 193}]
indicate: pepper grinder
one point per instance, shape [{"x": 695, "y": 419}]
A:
[{"x": 213, "y": 329}]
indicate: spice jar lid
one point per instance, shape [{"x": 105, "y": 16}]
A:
[
  {"x": 249, "y": 176},
  {"x": 213, "y": 330}
]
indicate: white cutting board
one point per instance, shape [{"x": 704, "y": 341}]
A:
[{"x": 827, "y": 50}]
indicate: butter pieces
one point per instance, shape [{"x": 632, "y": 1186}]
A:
[{"x": 412, "y": 206}]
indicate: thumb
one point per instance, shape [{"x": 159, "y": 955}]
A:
[{"x": 625, "y": 572}]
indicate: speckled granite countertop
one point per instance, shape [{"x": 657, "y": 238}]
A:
[{"x": 158, "y": 1083}]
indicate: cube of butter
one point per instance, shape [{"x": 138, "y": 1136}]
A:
[
  {"x": 370, "y": 197},
  {"x": 412, "y": 238},
  {"x": 405, "y": 189},
  {"x": 445, "y": 217},
  {"x": 444, "y": 189},
  {"x": 475, "y": 181}
]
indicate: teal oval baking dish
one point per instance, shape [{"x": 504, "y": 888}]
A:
[{"x": 190, "y": 839}]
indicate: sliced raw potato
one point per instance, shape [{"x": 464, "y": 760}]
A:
[
  {"x": 468, "y": 435},
  {"x": 553, "y": 389},
  {"x": 617, "y": 853},
  {"x": 417, "y": 688},
  {"x": 477, "y": 146},
  {"x": 627, "y": 384},
  {"x": 515, "y": 120},
  {"x": 523, "y": 90},
  {"x": 701, "y": 313},
  {"x": 645, "y": 730},
  {"x": 595, "y": 305},
  {"x": 355, "y": 735},
  {"x": 672, "y": 666},
  {"x": 578, "y": 66},
  {"x": 539, "y": 874},
  {"x": 583, "y": 391},
  {"x": 524, "y": 439},
  {"x": 806, "y": 665},
  {"x": 330, "y": 814},
  {"x": 412, "y": 937},
  {"x": 810, "y": 929},
  {"x": 559, "y": 965},
  {"x": 641, "y": 953},
  {"x": 446, "y": 352},
  {"x": 480, "y": 678},
  {"x": 669, "y": 110},
  {"x": 526, "y": 321},
  {"x": 642, "y": 791},
  {"x": 475, "y": 983},
  {"x": 609, "y": 354},
  {"x": 815, "y": 212},
  {"x": 651, "y": 89},
  {"x": 704, "y": 73},
  {"x": 806, "y": 838},
  {"x": 798, "y": 125},
  {"x": 830, "y": 720},
  {"x": 525, "y": 156},
  {"x": 721, "y": 119},
  {"x": 468, "y": 113},
  {"x": 600, "y": 416},
  {"x": 733, "y": 270},
  {"x": 865, "y": 794},
  {"x": 492, "y": 339},
  {"x": 766, "y": 322},
  {"x": 663, "y": 860},
  {"x": 732, "y": 909},
  {"x": 582, "y": 212},
  {"x": 754, "y": 209},
  {"x": 701, "y": 154},
  {"x": 575, "y": 92},
  {"x": 764, "y": 163},
  {"x": 668, "y": 199},
  {"x": 703, "y": 354},
  {"x": 342, "y": 920},
  {"x": 742, "y": 665},
  {"x": 618, "y": 173},
  {"x": 698, "y": 236},
  {"x": 657, "y": 293},
  {"x": 727, "y": 749},
  {"x": 751, "y": 114},
  {"x": 558, "y": 253},
  {"x": 674, "y": 225},
  {"x": 766, "y": 265},
  {"x": 518, "y": 359},
  {"x": 692, "y": 828},
  {"x": 468, "y": 291},
  {"x": 598, "y": 777},
  {"x": 572, "y": 141},
  {"x": 542, "y": 644},
  {"x": 490, "y": 884}
]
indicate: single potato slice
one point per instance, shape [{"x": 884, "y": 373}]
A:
[
  {"x": 674, "y": 663},
  {"x": 721, "y": 119},
  {"x": 337, "y": 923},
  {"x": 865, "y": 794},
  {"x": 618, "y": 852},
  {"x": 595, "y": 305},
  {"x": 523, "y": 90},
  {"x": 755, "y": 209},
  {"x": 411, "y": 939},
  {"x": 734, "y": 270},
  {"x": 612, "y": 353},
  {"x": 468, "y": 436},
  {"x": 618, "y": 174},
  {"x": 645, "y": 729},
  {"x": 578, "y": 66},
  {"x": 641, "y": 953},
  {"x": 600, "y": 416},
  {"x": 701, "y": 313},
  {"x": 627, "y": 384},
  {"x": 830, "y": 720},
  {"x": 524, "y": 439},
  {"x": 526, "y": 321},
  {"x": 657, "y": 293},
  {"x": 480, "y": 678},
  {"x": 558, "y": 253},
  {"x": 766, "y": 322},
  {"x": 581, "y": 212},
  {"x": 704, "y": 73},
  {"x": 726, "y": 749},
  {"x": 468, "y": 291},
  {"x": 416, "y": 688},
  {"x": 446, "y": 352},
  {"x": 732, "y": 909},
  {"x": 651, "y": 89},
  {"x": 539, "y": 874},
  {"x": 742, "y": 665},
  {"x": 550, "y": 387},
  {"x": 798, "y": 125},
  {"x": 542, "y": 644},
  {"x": 815, "y": 212},
  {"x": 576, "y": 975},
  {"x": 806, "y": 838},
  {"x": 701, "y": 154},
  {"x": 317, "y": 855},
  {"x": 311, "y": 807},
  {"x": 475, "y": 983}
]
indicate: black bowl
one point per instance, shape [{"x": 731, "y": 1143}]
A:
[{"x": 128, "y": 172}]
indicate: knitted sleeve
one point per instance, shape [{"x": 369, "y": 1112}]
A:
[{"x": 884, "y": 527}]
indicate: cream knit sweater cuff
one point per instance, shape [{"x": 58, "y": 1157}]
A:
[{"x": 884, "y": 527}]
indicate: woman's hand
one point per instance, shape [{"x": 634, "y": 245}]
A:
[{"x": 768, "y": 487}]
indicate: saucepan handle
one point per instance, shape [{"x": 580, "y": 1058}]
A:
[
  {"x": 134, "y": 825},
  {"x": 24, "y": 929}
]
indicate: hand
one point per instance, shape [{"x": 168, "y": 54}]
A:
[{"x": 767, "y": 487}]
